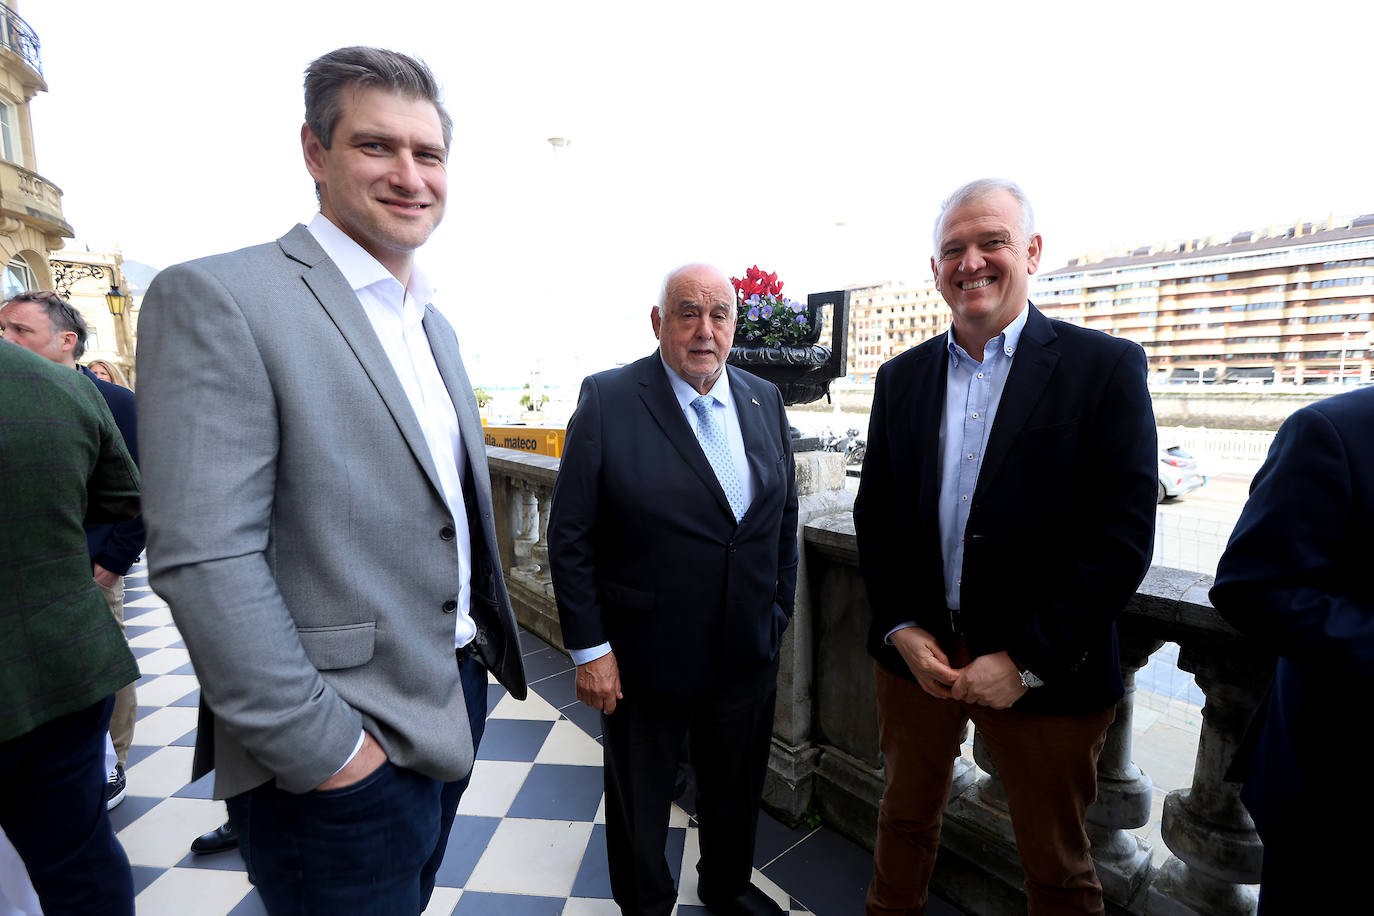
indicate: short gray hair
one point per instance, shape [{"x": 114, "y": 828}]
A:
[
  {"x": 365, "y": 68},
  {"x": 60, "y": 314},
  {"x": 671, "y": 275},
  {"x": 977, "y": 190}
]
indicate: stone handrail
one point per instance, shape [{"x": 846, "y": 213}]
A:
[{"x": 825, "y": 756}]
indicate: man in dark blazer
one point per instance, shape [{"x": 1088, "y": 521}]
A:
[
  {"x": 1296, "y": 577},
  {"x": 1004, "y": 518},
  {"x": 319, "y": 511},
  {"x": 62, "y": 463},
  {"x": 49, "y": 326},
  {"x": 673, "y": 544}
]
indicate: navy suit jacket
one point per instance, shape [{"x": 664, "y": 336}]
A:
[
  {"x": 1061, "y": 529},
  {"x": 1296, "y": 577},
  {"x": 116, "y": 547},
  {"x": 645, "y": 551}
]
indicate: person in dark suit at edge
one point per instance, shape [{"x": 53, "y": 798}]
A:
[
  {"x": 673, "y": 546},
  {"x": 1004, "y": 518},
  {"x": 1295, "y": 576}
]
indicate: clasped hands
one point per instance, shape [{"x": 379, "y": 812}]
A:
[{"x": 988, "y": 680}]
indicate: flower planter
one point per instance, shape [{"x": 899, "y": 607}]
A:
[{"x": 802, "y": 371}]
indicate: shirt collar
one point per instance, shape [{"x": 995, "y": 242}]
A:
[
  {"x": 686, "y": 394},
  {"x": 1007, "y": 341},
  {"x": 363, "y": 271}
]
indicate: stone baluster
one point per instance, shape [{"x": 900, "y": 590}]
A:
[
  {"x": 1124, "y": 791},
  {"x": 1216, "y": 852},
  {"x": 528, "y": 528},
  {"x": 539, "y": 551}
]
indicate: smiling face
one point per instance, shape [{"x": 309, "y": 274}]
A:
[
  {"x": 696, "y": 324},
  {"x": 982, "y": 266},
  {"x": 384, "y": 179}
]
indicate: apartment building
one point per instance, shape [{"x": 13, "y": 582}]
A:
[
  {"x": 1287, "y": 304},
  {"x": 887, "y": 318}
]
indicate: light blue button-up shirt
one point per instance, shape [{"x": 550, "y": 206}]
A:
[{"x": 972, "y": 392}]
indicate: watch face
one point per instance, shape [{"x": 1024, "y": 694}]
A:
[{"x": 1028, "y": 679}]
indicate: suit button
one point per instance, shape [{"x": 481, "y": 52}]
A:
[
  {"x": 450, "y": 606},
  {"x": 446, "y": 533}
]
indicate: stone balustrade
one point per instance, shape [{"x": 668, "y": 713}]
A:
[{"x": 825, "y": 756}]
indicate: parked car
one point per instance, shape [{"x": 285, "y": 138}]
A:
[{"x": 1178, "y": 472}]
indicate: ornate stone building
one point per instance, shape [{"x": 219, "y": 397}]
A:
[{"x": 31, "y": 222}]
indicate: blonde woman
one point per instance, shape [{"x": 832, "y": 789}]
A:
[{"x": 108, "y": 371}]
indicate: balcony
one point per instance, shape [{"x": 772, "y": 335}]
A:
[
  {"x": 31, "y": 199},
  {"x": 825, "y": 755},
  {"x": 19, "y": 38}
]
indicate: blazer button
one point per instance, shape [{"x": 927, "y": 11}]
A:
[
  {"x": 446, "y": 533},
  {"x": 450, "y": 606}
]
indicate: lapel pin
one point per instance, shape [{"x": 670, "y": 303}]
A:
[{"x": 755, "y": 403}]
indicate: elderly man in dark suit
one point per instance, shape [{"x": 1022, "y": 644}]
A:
[
  {"x": 319, "y": 511},
  {"x": 62, "y": 462},
  {"x": 46, "y": 324},
  {"x": 1004, "y": 518},
  {"x": 673, "y": 545},
  {"x": 1295, "y": 576}
]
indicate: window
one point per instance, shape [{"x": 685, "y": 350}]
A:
[
  {"x": 9, "y": 131},
  {"x": 18, "y": 276}
]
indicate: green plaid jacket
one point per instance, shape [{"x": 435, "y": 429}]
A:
[{"x": 62, "y": 463}]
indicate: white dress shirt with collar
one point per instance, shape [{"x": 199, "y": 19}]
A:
[{"x": 396, "y": 314}]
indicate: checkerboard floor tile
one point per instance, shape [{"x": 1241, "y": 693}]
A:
[{"x": 529, "y": 837}]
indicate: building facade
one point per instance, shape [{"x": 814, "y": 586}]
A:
[
  {"x": 887, "y": 318},
  {"x": 1288, "y": 304},
  {"x": 31, "y": 221}
]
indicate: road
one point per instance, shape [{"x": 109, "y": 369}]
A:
[{"x": 1191, "y": 531}]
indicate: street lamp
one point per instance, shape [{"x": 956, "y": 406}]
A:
[{"x": 117, "y": 300}]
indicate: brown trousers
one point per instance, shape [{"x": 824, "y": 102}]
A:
[
  {"x": 1048, "y": 765},
  {"x": 126, "y": 701}
]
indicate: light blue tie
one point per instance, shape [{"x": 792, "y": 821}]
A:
[{"x": 712, "y": 439}]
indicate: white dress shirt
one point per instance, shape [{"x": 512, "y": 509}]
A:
[{"x": 396, "y": 314}]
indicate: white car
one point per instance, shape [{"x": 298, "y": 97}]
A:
[{"x": 1177, "y": 472}]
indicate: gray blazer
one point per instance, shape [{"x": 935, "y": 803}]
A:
[{"x": 296, "y": 526}]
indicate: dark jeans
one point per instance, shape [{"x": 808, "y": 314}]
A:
[
  {"x": 370, "y": 848},
  {"x": 52, "y": 806}
]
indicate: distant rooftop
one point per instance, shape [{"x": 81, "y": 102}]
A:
[{"x": 1240, "y": 242}]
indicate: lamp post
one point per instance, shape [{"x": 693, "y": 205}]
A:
[{"x": 66, "y": 273}]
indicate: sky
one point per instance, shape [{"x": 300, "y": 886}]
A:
[{"x": 815, "y": 139}]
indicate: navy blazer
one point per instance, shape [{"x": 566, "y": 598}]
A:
[
  {"x": 645, "y": 550},
  {"x": 1295, "y": 576},
  {"x": 116, "y": 547},
  {"x": 1061, "y": 529}
]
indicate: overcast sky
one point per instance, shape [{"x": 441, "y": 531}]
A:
[{"x": 815, "y": 139}]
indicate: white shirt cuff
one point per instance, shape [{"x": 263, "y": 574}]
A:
[{"x": 357, "y": 747}]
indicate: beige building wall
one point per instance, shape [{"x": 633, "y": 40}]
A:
[
  {"x": 112, "y": 338},
  {"x": 31, "y": 221}
]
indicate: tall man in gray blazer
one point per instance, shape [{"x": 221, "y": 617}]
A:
[{"x": 320, "y": 519}]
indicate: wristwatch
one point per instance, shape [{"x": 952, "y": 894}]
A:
[{"x": 1028, "y": 679}]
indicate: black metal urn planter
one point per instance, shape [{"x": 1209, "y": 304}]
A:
[{"x": 800, "y": 366}]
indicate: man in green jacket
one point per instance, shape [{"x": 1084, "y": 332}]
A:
[{"x": 62, "y": 463}]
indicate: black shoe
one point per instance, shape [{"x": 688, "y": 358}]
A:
[
  {"x": 217, "y": 840},
  {"x": 753, "y": 902},
  {"x": 116, "y": 787}
]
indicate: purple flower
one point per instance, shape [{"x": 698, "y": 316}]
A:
[
  {"x": 801, "y": 319},
  {"x": 798, "y": 307},
  {"x": 753, "y": 314},
  {"x": 768, "y": 311}
]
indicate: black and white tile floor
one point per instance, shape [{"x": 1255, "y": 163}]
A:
[{"x": 529, "y": 837}]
